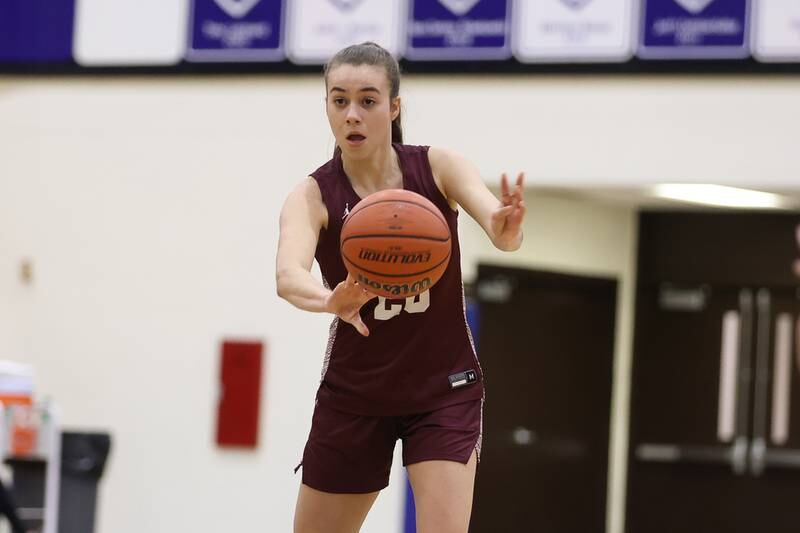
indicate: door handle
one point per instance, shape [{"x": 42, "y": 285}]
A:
[
  {"x": 745, "y": 371},
  {"x": 728, "y": 369},
  {"x": 782, "y": 458},
  {"x": 734, "y": 455},
  {"x": 782, "y": 382},
  {"x": 761, "y": 455},
  {"x": 759, "y": 443},
  {"x": 522, "y": 436}
]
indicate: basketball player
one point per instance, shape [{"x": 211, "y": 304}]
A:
[{"x": 394, "y": 369}]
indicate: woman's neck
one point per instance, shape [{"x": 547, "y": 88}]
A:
[{"x": 381, "y": 171}]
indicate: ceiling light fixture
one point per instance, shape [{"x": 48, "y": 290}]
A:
[{"x": 721, "y": 195}]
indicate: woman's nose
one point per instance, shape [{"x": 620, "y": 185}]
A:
[{"x": 352, "y": 116}]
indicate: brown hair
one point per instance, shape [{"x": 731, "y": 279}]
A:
[{"x": 369, "y": 53}]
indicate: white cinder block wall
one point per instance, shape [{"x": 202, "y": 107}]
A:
[{"x": 149, "y": 209}]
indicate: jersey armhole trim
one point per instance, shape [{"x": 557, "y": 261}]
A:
[{"x": 435, "y": 186}]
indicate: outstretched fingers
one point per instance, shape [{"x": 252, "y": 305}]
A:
[
  {"x": 520, "y": 185},
  {"x": 515, "y": 218},
  {"x": 511, "y": 196},
  {"x": 505, "y": 190},
  {"x": 350, "y": 296}
]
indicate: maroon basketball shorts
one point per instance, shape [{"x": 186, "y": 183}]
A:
[{"x": 348, "y": 453}]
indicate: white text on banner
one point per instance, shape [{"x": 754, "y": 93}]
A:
[
  {"x": 459, "y": 29},
  {"x": 694, "y": 29},
  {"x": 574, "y": 30},
  {"x": 236, "y": 30},
  {"x": 317, "y": 29}
]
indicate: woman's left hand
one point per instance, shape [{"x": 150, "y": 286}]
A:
[{"x": 507, "y": 218}]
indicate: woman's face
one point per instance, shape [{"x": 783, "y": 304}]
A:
[{"x": 360, "y": 109}]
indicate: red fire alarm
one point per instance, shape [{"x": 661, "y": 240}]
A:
[{"x": 240, "y": 394}]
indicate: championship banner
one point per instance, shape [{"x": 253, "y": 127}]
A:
[
  {"x": 694, "y": 29},
  {"x": 130, "y": 32},
  {"x": 236, "y": 30},
  {"x": 317, "y": 29},
  {"x": 36, "y": 31},
  {"x": 459, "y": 29},
  {"x": 776, "y": 30},
  {"x": 574, "y": 30}
]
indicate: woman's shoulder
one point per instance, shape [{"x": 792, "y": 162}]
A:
[
  {"x": 306, "y": 190},
  {"x": 420, "y": 150},
  {"x": 306, "y": 197},
  {"x": 441, "y": 158},
  {"x": 437, "y": 157},
  {"x": 326, "y": 170}
]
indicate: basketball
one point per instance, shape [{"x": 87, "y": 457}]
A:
[{"x": 395, "y": 243}]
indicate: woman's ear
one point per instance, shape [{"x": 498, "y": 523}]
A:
[{"x": 394, "y": 108}]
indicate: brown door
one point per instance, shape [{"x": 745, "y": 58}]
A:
[
  {"x": 690, "y": 409},
  {"x": 546, "y": 348},
  {"x": 773, "y": 475},
  {"x": 715, "y": 405},
  {"x": 715, "y": 439}
]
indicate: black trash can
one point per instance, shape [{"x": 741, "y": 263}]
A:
[{"x": 83, "y": 459}]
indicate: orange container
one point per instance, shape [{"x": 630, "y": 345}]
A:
[
  {"x": 23, "y": 440},
  {"x": 15, "y": 399}
]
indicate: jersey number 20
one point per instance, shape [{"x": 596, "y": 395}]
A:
[{"x": 413, "y": 304}]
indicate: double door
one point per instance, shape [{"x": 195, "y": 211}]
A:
[{"x": 715, "y": 436}]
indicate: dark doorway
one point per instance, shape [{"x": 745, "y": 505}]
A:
[
  {"x": 715, "y": 415},
  {"x": 547, "y": 350}
]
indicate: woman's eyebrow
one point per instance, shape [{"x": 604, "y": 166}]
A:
[{"x": 363, "y": 89}]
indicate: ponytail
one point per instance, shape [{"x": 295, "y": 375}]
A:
[{"x": 397, "y": 130}]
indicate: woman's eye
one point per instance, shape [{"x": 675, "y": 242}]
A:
[
  {"x": 369, "y": 101},
  {"x": 338, "y": 101}
]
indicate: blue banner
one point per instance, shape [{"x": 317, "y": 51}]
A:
[
  {"x": 459, "y": 29},
  {"x": 694, "y": 29},
  {"x": 236, "y": 30},
  {"x": 36, "y": 31}
]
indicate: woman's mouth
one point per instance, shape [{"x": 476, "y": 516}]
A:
[{"x": 355, "y": 139}]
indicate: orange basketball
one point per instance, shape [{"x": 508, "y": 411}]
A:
[{"x": 395, "y": 243}]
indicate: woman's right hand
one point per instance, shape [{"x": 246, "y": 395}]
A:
[{"x": 346, "y": 300}]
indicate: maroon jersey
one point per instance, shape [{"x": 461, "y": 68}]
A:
[{"x": 419, "y": 355}]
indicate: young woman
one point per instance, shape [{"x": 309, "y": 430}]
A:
[{"x": 394, "y": 369}]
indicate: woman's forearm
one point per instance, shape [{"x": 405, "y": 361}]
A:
[{"x": 301, "y": 289}]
